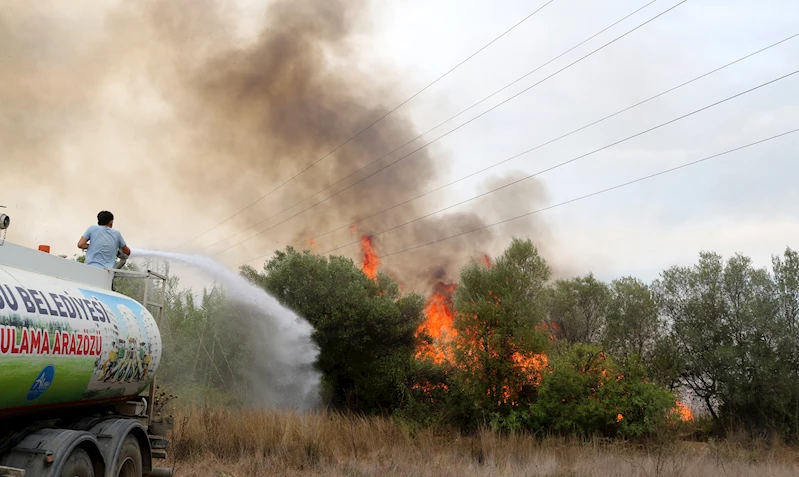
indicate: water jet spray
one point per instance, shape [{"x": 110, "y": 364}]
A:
[{"x": 282, "y": 375}]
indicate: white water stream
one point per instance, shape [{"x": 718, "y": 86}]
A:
[{"x": 281, "y": 370}]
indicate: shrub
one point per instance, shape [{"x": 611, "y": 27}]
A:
[{"x": 585, "y": 393}]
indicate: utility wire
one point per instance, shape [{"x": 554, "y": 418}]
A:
[
  {"x": 565, "y": 162},
  {"x": 433, "y": 128},
  {"x": 437, "y": 126},
  {"x": 553, "y": 140},
  {"x": 374, "y": 123},
  {"x": 608, "y": 146},
  {"x": 618, "y": 186},
  {"x": 440, "y": 137}
]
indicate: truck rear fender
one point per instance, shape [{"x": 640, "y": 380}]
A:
[
  {"x": 111, "y": 434},
  {"x": 44, "y": 452}
]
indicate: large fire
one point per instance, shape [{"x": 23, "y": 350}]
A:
[
  {"x": 437, "y": 325},
  {"x": 437, "y": 336}
]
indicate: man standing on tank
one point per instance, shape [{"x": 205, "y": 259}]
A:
[{"x": 102, "y": 243}]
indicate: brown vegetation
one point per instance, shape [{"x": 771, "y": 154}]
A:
[{"x": 229, "y": 443}]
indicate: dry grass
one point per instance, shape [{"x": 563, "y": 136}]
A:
[{"x": 224, "y": 443}]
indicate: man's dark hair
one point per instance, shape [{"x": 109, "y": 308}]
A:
[{"x": 104, "y": 217}]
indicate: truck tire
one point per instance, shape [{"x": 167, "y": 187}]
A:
[
  {"x": 78, "y": 464},
  {"x": 129, "y": 461}
]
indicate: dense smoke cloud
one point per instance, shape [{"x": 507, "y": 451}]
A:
[{"x": 165, "y": 113}]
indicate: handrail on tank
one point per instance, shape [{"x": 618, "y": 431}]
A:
[{"x": 136, "y": 274}]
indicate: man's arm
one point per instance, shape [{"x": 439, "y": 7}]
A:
[
  {"x": 83, "y": 243},
  {"x": 123, "y": 246}
]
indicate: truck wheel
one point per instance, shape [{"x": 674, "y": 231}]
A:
[
  {"x": 129, "y": 461},
  {"x": 78, "y": 464}
]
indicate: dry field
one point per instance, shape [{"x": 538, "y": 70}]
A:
[{"x": 223, "y": 443}]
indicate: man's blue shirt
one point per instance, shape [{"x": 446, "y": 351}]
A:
[{"x": 104, "y": 244}]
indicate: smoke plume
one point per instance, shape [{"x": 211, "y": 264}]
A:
[{"x": 174, "y": 116}]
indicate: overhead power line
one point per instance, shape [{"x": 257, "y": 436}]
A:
[
  {"x": 704, "y": 108},
  {"x": 432, "y": 129},
  {"x": 370, "y": 126},
  {"x": 603, "y": 191},
  {"x": 608, "y": 146},
  {"x": 516, "y": 156},
  {"x": 438, "y": 138}
]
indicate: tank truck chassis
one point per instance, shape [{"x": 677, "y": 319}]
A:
[{"x": 62, "y": 321}]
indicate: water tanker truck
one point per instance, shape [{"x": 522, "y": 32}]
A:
[{"x": 75, "y": 360}]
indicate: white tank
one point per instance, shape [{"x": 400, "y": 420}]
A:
[{"x": 66, "y": 339}]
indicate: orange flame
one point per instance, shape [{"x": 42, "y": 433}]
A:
[
  {"x": 531, "y": 366},
  {"x": 684, "y": 413},
  {"x": 428, "y": 390},
  {"x": 438, "y": 325},
  {"x": 311, "y": 243},
  {"x": 530, "y": 371},
  {"x": 438, "y": 336},
  {"x": 486, "y": 260},
  {"x": 370, "y": 257}
]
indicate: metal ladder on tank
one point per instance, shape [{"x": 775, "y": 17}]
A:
[{"x": 152, "y": 300}]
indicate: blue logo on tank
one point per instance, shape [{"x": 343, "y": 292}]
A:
[{"x": 42, "y": 383}]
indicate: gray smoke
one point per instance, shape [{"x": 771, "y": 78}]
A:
[{"x": 175, "y": 120}]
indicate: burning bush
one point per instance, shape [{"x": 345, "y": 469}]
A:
[
  {"x": 488, "y": 348},
  {"x": 486, "y": 344},
  {"x": 489, "y": 339},
  {"x": 585, "y": 392},
  {"x": 498, "y": 352},
  {"x": 437, "y": 333}
]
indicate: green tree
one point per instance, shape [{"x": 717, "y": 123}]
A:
[
  {"x": 730, "y": 326},
  {"x": 786, "y": 276},
  {"x": 364, "y": 328},
  {"x": 578, "y": 309},
  {"x": 635, "y": 333},
  {"x": 632, "y": 325},
  {"x": 497, "y": 308},
  {"x": 786, "y": 281}
]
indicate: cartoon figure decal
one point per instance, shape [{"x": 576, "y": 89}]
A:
[{"x": 128, "y": 360}]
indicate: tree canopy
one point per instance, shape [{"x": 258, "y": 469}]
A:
[
  {"x": 572, "y": 355},
  {"x": 364, "y": 328}
]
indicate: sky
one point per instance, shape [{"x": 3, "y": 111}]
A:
[
  {"x": 745, "y": 202},
  {"x": 114, "y": 140}
]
